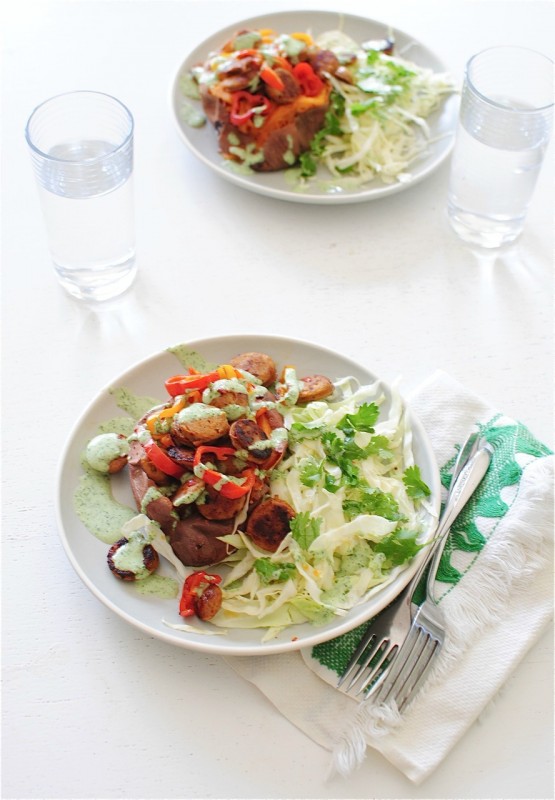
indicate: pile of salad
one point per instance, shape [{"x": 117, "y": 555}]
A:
[{"x": 314, "y": 504}]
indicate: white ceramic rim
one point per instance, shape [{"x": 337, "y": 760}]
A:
[{"x": 213, "y": 644}]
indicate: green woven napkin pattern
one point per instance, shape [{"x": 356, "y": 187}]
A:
[{"x": 467, "y": 534}]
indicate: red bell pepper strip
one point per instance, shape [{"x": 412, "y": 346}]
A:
[
  {"x": 179, "y": 384},
  {"x": 163, "y": 461},
  {"x": 245, "y": 105},
  {"x": 212, "y": 477},
  {"x": 220, "y": 452},
  {"x": 194, "y": 583},
  {"x": 311, "y": 85},
  {"x": 233, "y": 490},
  {"x": 271, "y": 78}
]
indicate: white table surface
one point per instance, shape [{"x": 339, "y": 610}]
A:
[{"x": 92, "y": 707}]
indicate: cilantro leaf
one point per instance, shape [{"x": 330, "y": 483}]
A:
[
  {"x": 268, "y": 571},
  {"x": 310, "y": 472},
  {"x": 366, "y": 500},
  {"x": 398, "y": 547},
  {"x": 331, "y": 127},
  {"x": 363, "y": 419},
  {"x": 305, "y": 529},
  {"x": 416, "y": 488}
]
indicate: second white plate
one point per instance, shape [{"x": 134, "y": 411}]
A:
[{"x": 203, "y": 142}]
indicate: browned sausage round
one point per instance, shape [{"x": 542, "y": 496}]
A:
[
  {"x": 199, "y": 423},
  {"x": 258, "y": 364},
  {"x": 209, "y": 602},
  {"x": 229, "y": 398},
  {"x": 150, "y": 560},
  {"x": 269, "y": 523},
  {"x": 219, "y": 507},
  {"x": 290, "y": 91},
  {"x": 244, "y": 433},
  {"x": 315, "y": 387},
  {"x": 324, "y": 61}
]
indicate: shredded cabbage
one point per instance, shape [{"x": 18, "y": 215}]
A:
[
  {"x": 380, "y": 128},
  {"x": 358, "y": 521}
]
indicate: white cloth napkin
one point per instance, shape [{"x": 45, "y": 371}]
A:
[{"x": 496, "y": 597}]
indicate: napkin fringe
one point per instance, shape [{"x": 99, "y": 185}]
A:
[{"x": 514, "y": 553}]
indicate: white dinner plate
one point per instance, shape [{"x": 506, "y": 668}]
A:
[
  {"x": 87, "y": 554},
  {"x": 203, "y": 141}
]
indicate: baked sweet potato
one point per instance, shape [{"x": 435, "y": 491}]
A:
[{"x": 265, "y": 104}]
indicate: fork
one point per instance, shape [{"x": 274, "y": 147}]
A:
[
  {"x": 390, "y": 628},
  {"x": 425, "y": 639}
]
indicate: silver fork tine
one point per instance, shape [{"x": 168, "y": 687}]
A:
[
  {"x": 398, "y": 671},
  {"x": 366, "y": 675},
  {"x": 364, "y": 642},
  {"x": 425, "y": 663}
]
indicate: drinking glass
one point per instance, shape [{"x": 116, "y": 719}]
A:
[
  {"x": 81, "y": 146},
  {"x": 504, "y": 128}
]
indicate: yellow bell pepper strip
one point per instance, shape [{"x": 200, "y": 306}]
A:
[
  {"x": 161, "y": 460},
  {"x": 152, "y": 421},
  {"x": 192, "y": 588},
  {"x": 303, "y": 37}
]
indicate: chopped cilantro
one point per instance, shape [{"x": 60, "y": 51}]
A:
[
  {"x": 416, "y": 488},
  {"x": 331, "y": 127},
  {"x": 305, "y": 529},
  {"x": 365, "y": 500},
  {"x": 310, "y": 472},
  {"x": 398, "y": 547},
  {"x": 363, "y": 419},
  {"x": 268, "y": 571}
]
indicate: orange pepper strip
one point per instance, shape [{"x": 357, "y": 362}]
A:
[
  {"x": 271, "y": 78},
  {"x": 263, "y": 421}
]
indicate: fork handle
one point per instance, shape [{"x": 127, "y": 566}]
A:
[{"x": 466, "y": 484}]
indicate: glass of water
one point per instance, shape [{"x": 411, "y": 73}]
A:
[
  {"x": 81, "y": 146},
  {"x": 504, "y": 128}
]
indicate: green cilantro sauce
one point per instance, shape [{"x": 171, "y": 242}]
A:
[
  {"x": 197, "y": 411},
  {"x": 192, "y": 116},
  {"x": 135, "y": 405},
  {"x": 190, "y": 358},
  {"x": 157, "y": 586},
  {"x": 98, "y": 509}
]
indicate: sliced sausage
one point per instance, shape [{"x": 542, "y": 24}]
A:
[
  {"x": 291, "y": 88},
  {"x": 315, "y": 387},
  {"x": 244, "y": 434},
  {"x": 229, "y": 398},
  {"x": 209, "y": 602},
  {"x": 150, "y": 560},
  {"x": 324, "y": 61},
  {"x": 219, "y": 507},
  {"x": 182, "y": 456},
  {"x": 199, "y": 423},
  {"x": 258, "y": 364},
  {"x": 269, "y": 523}
]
